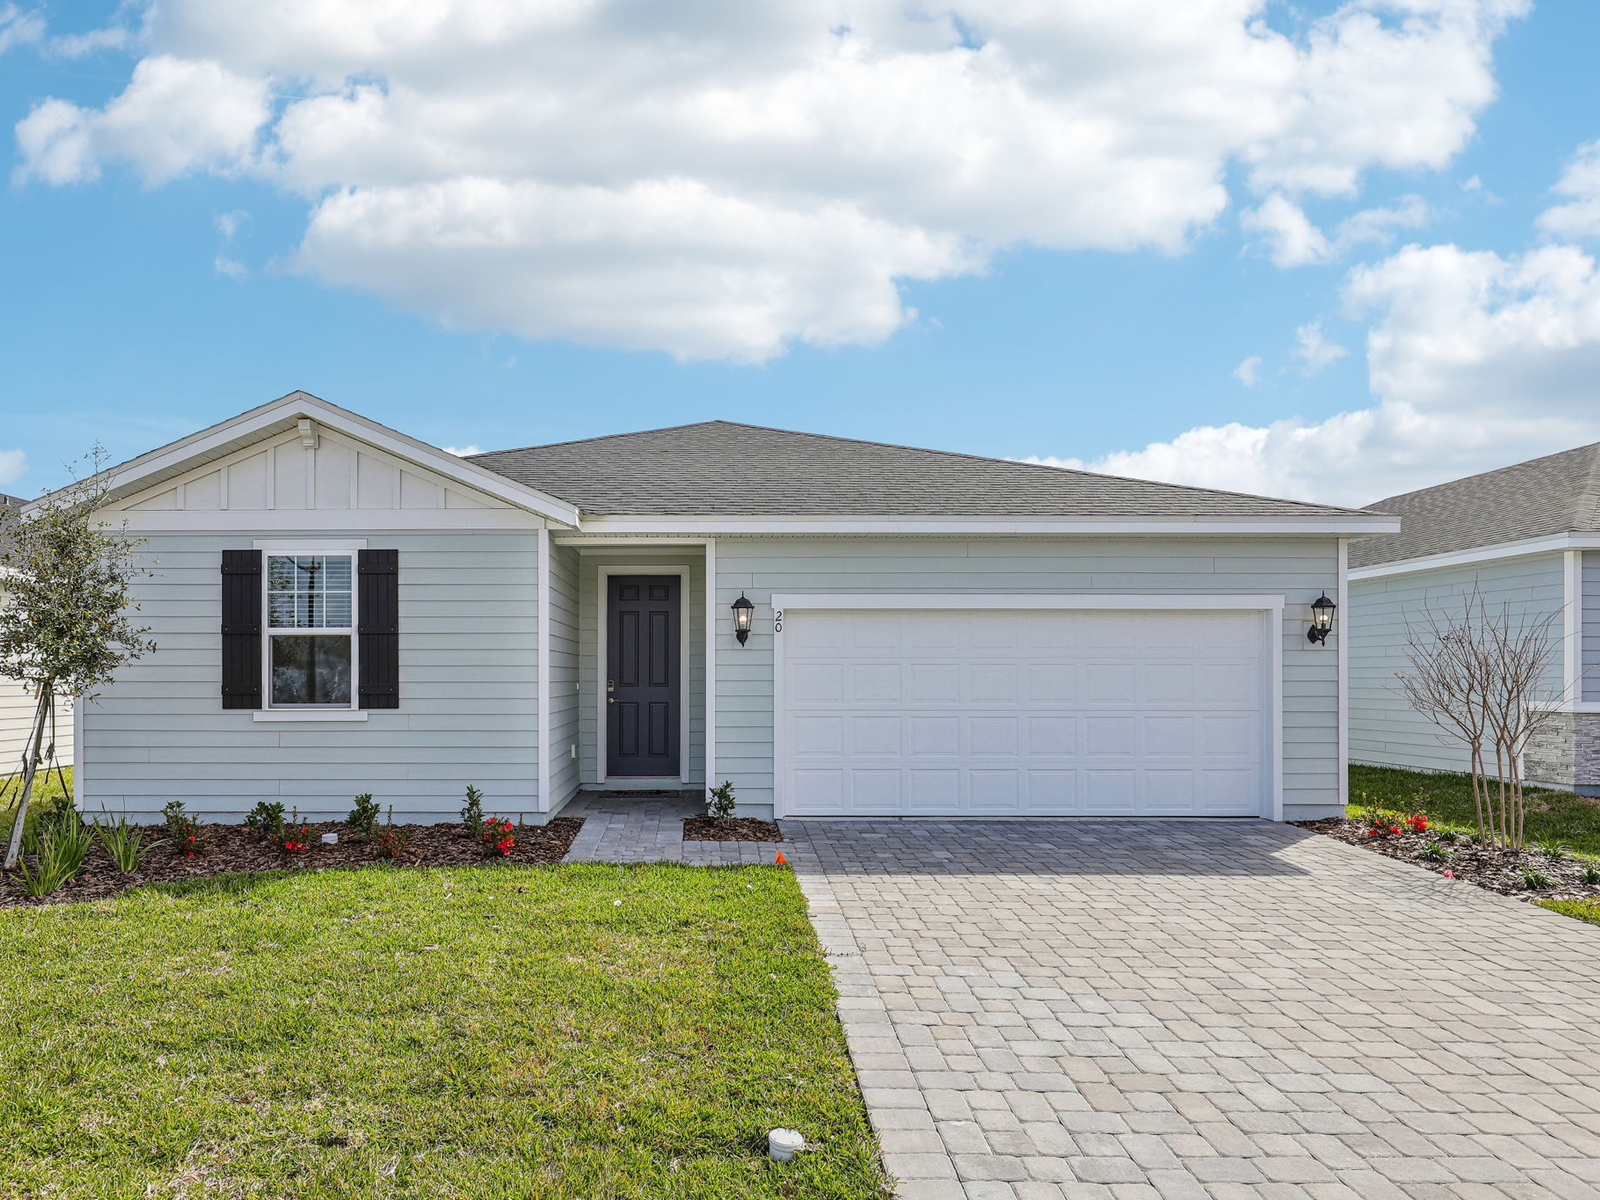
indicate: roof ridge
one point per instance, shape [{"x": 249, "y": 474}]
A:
[
  {"x": 1010, "y": 462},
  {"x": 604, "y": 437}
]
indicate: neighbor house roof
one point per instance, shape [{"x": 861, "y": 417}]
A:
[
  {"x": 721, "y": 468},
  {"x": 1557, "y": 494}
]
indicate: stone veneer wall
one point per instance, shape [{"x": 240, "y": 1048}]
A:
[{"x": 1566, "y": 753}]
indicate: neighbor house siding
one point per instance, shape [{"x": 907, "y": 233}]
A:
[
  {"x": 468, "y": 691},
  {"x": 590, "y": 597},
  {"x": 1590, "y": 660},
  {"x": 1298, "y": 569},
  {"x": 565, "y": 713},
  {"x": 1384, "y": 729},
  {"x": 17, "y": 707}
]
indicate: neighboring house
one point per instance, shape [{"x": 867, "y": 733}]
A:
[
  {"x": 17, "y": 707},
  {"x": 339, "y": 608},
  {"x": 1526, "y": 536}
]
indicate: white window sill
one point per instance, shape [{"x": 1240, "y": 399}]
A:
[{"x": 310, "y": 714}]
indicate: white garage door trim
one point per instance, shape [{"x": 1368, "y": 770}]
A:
[{"x": 1270, "y": 605}]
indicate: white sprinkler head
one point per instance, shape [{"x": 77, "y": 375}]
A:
[{"x": 782, "y": 1144}]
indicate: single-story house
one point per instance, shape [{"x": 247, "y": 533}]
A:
[
  {"x": 836, "y": 627},
  {"x": 17, "y": 706},
  {"x": 1527, "y": 536}
]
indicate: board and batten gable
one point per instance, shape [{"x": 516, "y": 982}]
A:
[
  {"x": 1297, "y": 568},
  {"x": 468, "y": 645},
  {"x": 1384, "y": 729}
]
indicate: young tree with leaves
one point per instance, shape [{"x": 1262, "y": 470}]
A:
[{"x": 65, "y": 611}]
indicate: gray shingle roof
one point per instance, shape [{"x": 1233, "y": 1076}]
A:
[
  {"x": 1559, "y": 493},
  {"x": 720, "y": 468}
]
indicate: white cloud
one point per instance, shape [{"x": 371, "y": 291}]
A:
[
  {"x": 1292, "y": 240},
  {"x": 81, "y": 45},
  {"x": 176, "y": 115},
  {"x": 19, "y": 28},
  {"x": 1314, "y": 349},
  {"x": 232, "y": 268},
  {"x": 13, "y": 465},
  {"x": 229, "y": 223},
  {"x": 1460, "y": 344},
  {"x": 643, "y": 168},
  {"x": 1579, "y": 217},
  {"x": 1249, "y": 371},
  {"x": 462, "y": 451}
]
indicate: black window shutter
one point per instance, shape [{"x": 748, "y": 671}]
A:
[
  {"x": 241, "y": 629},
  {"x": 378, "y": 626}
]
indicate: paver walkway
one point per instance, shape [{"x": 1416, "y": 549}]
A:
[
  {"x": 630, "y": 827},
  {"x": 1047, "y": 1009}
]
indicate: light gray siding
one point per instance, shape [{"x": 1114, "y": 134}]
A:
[
  {"x": 1384, "y": 729},
  {"x": 591, "y": 743},
  {"x": 468, "y": 693},
  {"x": 1591, "y": 625},
  {"x": 17, "y": 707},
  {"x": 565, "y": 670},
  {"x": 1298, "y": 569}
]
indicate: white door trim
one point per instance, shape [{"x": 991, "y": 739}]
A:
[
  {"x": 1270, "y": 606},
  {"x": 684, "y": 572}
]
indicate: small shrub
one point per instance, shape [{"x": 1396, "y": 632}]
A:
[
  {"x": 124, "y": 844},
  {"x": 498, "y": 837},
  {"x": 719, "y": 800},
  {"x": 267, "y": 820},
  {"x": 1535, "y": 881},
  {"x": 1435, "y": 852},
  {"x": 472, "y": 811},
  {"x": 294, "y": 837},
  {"x": 364, "y": 816},
  {"x": 182, "y": 829},
  {"x": 60, "y": 845},
  {"x": 1591, "y": 873},
  {"x": 392, "y": 839},
  {"x": 1554, "y": 850},
  {"x": 1418, "y": 822}
]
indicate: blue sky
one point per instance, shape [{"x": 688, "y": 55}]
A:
[{"x": 159, "y": 277}]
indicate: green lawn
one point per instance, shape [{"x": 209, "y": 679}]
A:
[
  {"x": 571, "y": 1031},
  {"x": 1584, "y": 910},
  {"x": 1552, "y": 816}
]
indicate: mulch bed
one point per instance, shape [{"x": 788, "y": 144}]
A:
[
  {"x": 225, "y": 848},
  {"x": 730, "y": 829},
  {"x": 1487, "y": 867}
]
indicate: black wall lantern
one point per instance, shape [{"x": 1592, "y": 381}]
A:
[
  {"x": 1321, "y": 619},
  {"x": 743, "y": 611}
]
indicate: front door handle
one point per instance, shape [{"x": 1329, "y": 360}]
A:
[{"x": 611, "y": 686}]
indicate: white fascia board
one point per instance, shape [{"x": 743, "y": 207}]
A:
[
  {"x": 1477, "y": 554},
  {"x": 858, "y": 601},
  {"x": 1353, "y": 526},
  {"x": 340, "y": 520},
  {"x": 197, "y": 446}
]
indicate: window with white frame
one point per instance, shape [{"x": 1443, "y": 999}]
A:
[{"x": 310, "y": 643}]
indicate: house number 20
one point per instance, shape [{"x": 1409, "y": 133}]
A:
[{"x": 777, "y": 620}]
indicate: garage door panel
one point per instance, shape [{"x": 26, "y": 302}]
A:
[{"x": 1024, "y": 712}]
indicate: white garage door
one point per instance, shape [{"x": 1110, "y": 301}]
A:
[{"x": 1017, "y": 713}]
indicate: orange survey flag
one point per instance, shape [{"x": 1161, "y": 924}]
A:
[{"x": 781, "y": 858}]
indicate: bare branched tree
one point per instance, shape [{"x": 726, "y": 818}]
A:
[
  {"x": 1481, "y": 675},
  {"x": 65, "y": 626}
]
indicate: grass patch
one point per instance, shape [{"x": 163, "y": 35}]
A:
[
  {"x": 1583, "y": 910},
  {"x": 1552, "y": 816},
  {"x": 49, "y": 794},
  {"x": 471, "y": 1032}
]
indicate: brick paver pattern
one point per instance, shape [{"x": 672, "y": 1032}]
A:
[{"x": 1077, "y": 1008}]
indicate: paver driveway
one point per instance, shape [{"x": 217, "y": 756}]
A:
[{"x": 1096, "y": 1008}]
